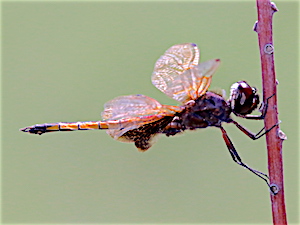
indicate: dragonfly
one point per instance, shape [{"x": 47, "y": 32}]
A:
[{"x": 178, "y": 74}]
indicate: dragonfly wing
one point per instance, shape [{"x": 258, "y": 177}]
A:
[
  {"x": 172, "y": 64},
  {"x": 130, "y": 106},
  {"x": 143, "y": 136},
  {"x": 131, "y": 112},
  {"x": 194, "y": 82},
  {"x": 178, "y": 75}
]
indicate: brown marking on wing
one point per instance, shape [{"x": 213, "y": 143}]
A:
[{"x": 143, "y": 135}]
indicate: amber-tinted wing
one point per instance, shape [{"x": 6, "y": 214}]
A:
[
  {"x": 178, "y": 75},
  {"x": 143, "y": 136},
  {"x": 132, "y": 112}
]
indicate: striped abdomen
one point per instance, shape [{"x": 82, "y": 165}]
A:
[{"x": 71, "y": 126}]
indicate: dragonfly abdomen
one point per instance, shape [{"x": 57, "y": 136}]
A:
[{"x": 65, "y": 126}]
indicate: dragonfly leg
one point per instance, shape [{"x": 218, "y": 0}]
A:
[
  {"x": 263, "y": 107},
  {"x": 236, "y": 158},
  {"x": 250, "y": 134}
]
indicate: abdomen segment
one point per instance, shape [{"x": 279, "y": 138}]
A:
[{"x": 65, "y": 126}]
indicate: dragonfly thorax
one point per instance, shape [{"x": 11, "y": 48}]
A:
[{"x": 208, "y": 110}]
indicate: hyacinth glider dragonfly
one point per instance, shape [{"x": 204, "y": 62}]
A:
[{"x": 177, "y": 73}]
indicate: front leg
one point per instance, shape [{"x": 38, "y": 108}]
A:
[
  {"x": 250, "y": 134},
  {"x": 264, "y": 108}
]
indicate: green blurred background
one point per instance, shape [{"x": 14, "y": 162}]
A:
[{"x": 63, "y": 60}]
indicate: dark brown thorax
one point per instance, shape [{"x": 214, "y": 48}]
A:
[{"x": 208, "y": 110}]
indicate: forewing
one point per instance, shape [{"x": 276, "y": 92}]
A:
[
  {"x": 194, "y": 82},
  {"x": 178, "y": 74},
  {"x": 130, "y": 112},
  {"x": 173, "y": 63}
]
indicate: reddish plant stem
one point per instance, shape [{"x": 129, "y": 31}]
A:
[{"x": 265, "y": 11}]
